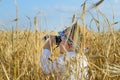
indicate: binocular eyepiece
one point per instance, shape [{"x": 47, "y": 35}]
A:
[{"x": 58, "y": 40}]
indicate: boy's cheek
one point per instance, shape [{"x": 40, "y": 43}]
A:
[{"x": 62, "y": 49}]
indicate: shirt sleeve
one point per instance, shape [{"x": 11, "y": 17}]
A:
[
  {"x": 44, "y": 60},
  {"x": 49, "y": 66}
]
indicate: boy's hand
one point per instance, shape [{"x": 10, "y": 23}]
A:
[{"x": 50, "y": 42}]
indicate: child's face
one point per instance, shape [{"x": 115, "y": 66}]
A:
[{"x": 64, "y": 47}]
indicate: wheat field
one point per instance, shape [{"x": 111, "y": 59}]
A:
[{"x": 20, "y": 51}]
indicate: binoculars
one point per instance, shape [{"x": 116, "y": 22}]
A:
[{"x": 57, "y": 39}]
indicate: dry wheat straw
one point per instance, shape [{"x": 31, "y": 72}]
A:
[{"x": 19, "y": 52}]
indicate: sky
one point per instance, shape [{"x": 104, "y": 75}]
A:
[{"x": 52, "y": 14}]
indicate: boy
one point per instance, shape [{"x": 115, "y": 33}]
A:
[{"x": 71, "y": 42}]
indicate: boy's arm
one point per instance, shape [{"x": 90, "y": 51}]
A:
[{"x": 50, "y": 42}]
